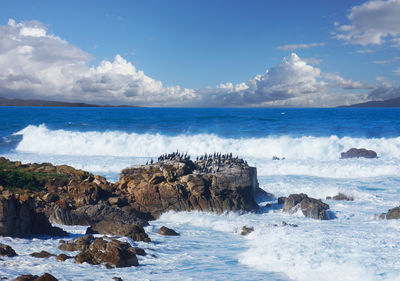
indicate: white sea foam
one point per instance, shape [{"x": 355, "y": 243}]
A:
[{"x": 109, "y": 152}]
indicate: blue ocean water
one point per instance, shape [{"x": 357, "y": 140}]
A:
[{"x": 356, "y": 245}]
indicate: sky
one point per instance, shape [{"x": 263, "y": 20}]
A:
[{"x": 208, "y": 53}]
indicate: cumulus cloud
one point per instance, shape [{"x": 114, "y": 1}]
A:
[
  {"x": 373, "y": 22},
  {"x": 294, "y": 47},
  {"x": 384, "y": 91},
  {"x": 36, "y": 64}
]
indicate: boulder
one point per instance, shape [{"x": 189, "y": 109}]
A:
[
  {"x": 19, "y": 218},
  {"x": 7, "y": 251},
  {"x": 114, "y": 254},
  {"x": 41, "y": 254},
  {"x": 216, "y": 184},
  {"x": 133, "y": 231},
  {"x": 30, "y": 277},
  {"x": 46, "y": 277},
  {"x": 167, "y": 231},
  {"x": 392, "y": 214},
  {"x": 310, "y": 207},
  {"x": 63, "y": 257},
  {"x": 79, "y": 244},
  {"x": 340, "y": 197},
  {"x": 357, "y": 153}
]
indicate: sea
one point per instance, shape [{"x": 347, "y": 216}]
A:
[{"x": 354, "y": 245}]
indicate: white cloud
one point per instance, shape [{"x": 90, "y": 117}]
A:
[
  {"x": 384, "y": 91},
  {"x": 365, "y": 51},
  {"x": 372, "y": 22},
  {"x": 293, "y": 47},
  {"x": 35, "y": 64}
]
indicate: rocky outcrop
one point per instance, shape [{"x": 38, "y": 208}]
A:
[
  {"x": 357, "y": 153},
  {"x": 167, "y": 231},
  {"x": 340, "y": 197},
  {"x": 133, "y": 231},
  {"x": 19, "y": 218},
  {"x": 310, "y": 207},
  {"x": 392, "y": 214},
  {"x": 30, "y": 277},
  {"x": 7, "y": 251},
  {"x": 113, "y": 253},
  {"x": 213, "y": 183},
  {"x": 41, "y": 254}
]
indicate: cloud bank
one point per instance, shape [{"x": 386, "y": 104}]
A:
[
  {"x": 37, "y": 65},
  {"x": 373, "y": 22}
]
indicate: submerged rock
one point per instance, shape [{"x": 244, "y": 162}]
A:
[
  {"x": 41, "y": 254},
  {"x": 167, "y": 231},
  {"x": 357, "y": 153},
  {"x": 310, "y": 207},
  {"x": 7, "y": 251},
  {"x": 247, "y": 230},
  {"x": 213, "y": 183},
  {"x": 340, "y": 197}
]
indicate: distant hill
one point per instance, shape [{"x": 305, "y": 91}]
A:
[
  {"x": 385, "y": 103},
  {"x": 21, "y": 102}
]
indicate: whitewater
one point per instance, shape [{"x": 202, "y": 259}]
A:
[{"x": 355, "y": 245}]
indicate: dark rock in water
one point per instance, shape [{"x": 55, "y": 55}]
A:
[
  {"x": 46, "y": 277},
  {"x": 275, "y": 158},
  {"x": 167, "y": 231},
  {"x": 133, "y": 231},
  {"x": 214, "y": 183},
  {"x": 340, "y": 196},
  {"x": 41, "y": 254},
  {"x": 358, "y": 152},
  {"x": 261, "y": 195},
  {"x": 392, "y": 214},
  {"x": 117, "y": 279},
  {"x": 115, "y": 254},
  {"x": 7, "y": 251},
  {"x": 30, "y": 277},
  {"x": 310, "y": 207},
  {"x": 138, "y": 251},
  {"x": 63, "y": 257},
  {"x": 289, "y": 224},
  {"x": 281, "y": 200},
  {"x": 246, "y": 230},
  {"x": 19, "y": 218},
  {"x": 78, "y": 244}
]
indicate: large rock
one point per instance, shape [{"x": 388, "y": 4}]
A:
[
  {"x": 167, "y": 231},
  {"x": 392, "y": 214},
  {"x": 7, "y": 251},
  {"x": 310, "y": 207},
  {"x": 215, "y": 183},
  {"x": 19, "y": 218},
  {"x": 112, "y": 253},
  {"x": 357, "y": 153},
  {"x": 30, "y": 277},
  {"x": 133, "y": 231}
]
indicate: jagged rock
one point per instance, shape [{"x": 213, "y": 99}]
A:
[
  {"x": 246, "y": 230},
  {"x": 41, "y": 254},
  {"x": 78, "y": 244},
  {"x": 212, "y": 184},
  {"x": 115, "y": 254},
  {"x": 93, "y": 214},
  {"x": 18, "y": 218},
  {"x": 133, "y": 231},
  {"x": 310, "y": 207},
  {"x": 358, "y": 152},
  {"x": 392, "y": 214},
  {"x": 7, "y": 251},
  {"x": 340, "y": 196},
  {"x": 30, "y": 277},
  {"x": 63, "y": 257},
  {"x": 167, "y": 231}
]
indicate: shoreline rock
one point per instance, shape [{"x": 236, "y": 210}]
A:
[
  {"x": 358, "y": 153},
  {"x": 310, "y": 207}
]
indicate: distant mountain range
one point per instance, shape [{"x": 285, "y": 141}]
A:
[
  {"x": 385, "y": 103},
  {"x": 21, "y": 102}
]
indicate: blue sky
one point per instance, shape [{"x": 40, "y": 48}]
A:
[{"x": 340, "y": 52}]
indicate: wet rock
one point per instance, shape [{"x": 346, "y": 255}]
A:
[
  {"x": 78, "y": 244},
  {"x": 214, "y": 183},
  {"x": 289, "y": 224},
  {"x": 117, "y": 278},
  {"x": 261, "y": 195},
  {"x": 30, "y": 277},
  {"x": 310, "y": 207},
  {"x": 340, "y": 196},
  {"x": 247, "y": 230},
  {"x": 167, "y": 231},
  {"x": 357, "y": 153},
  {"x": 392, "y": 214},
  {"x": 19, "y": 218},
  {"x": 41, "y": 254},
  {"x": 63, "y": 257},
  {"x": 115, "y": 254},
  {"x": 133, "y": 231},
  {"x": 7, "y": 251},
  {"x": 281, "y": 200},
  {"x": 46, "y": 277},
  {"x": 138, "y": 251}
]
